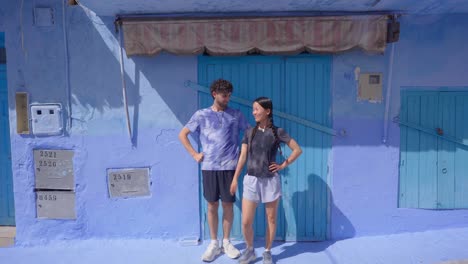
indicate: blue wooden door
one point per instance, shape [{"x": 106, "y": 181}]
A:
[
  {"x": 305, "y": 188},
  {"x": 434, "y": 150},
  {"x": 452, "y": 169},
  {"x": 7, "y": 214},
  {"x": 298, "y": 86},
  {"x": 418, "y": 150}
]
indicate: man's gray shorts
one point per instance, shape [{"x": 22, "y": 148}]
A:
[{"x": 262, "y": 190}]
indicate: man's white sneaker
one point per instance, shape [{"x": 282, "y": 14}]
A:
[
  {"x": 211, "y": 252},
  {"x": 230, "y": 250}
]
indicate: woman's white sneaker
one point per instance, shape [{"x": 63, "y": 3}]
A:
[{"x": 248, "y": 256}]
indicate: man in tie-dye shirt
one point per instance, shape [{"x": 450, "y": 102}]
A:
[{"x": 218, "y": 127}]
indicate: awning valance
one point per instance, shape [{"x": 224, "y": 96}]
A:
[{"x": 273, "y": 36}]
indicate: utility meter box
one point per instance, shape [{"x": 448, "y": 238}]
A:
[
  {"x": 46, "y": 119},
  {"x": 55, "y": 205},
  {"x": 54, "y": 169},
  {"x": 370, "y": 87}
]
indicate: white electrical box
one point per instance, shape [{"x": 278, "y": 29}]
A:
[{"x": 46, "y": 119}]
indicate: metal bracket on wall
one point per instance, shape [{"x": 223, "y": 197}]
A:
[{"x": 248, "y": 103}]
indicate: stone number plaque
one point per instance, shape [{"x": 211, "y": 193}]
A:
[
  {"x": 54, "y": 169},
  {"x": 131, "y": 182},
  {"x": 55, "y": 205}
]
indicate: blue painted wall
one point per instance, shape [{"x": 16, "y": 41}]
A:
[
  {"x": 431, "y": 52},
  {"x": 363, "y": 172},
  {"x": 159, "y": 104}
]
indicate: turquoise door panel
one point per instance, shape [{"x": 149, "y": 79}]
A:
[
  {"x": 298, "y": 86},
  {"x": 7, "y": 212},
  {"x": 434, "y": 150}
]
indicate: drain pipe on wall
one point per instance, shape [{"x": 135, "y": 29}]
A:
[
  {"x": 388, "y": 95},
  {"x": 67, "y": 68},
  {"x": 124, "y": 86}
]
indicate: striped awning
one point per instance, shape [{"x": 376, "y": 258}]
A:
[{"x": 272, "y": 36}]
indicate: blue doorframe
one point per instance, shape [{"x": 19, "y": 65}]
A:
[
  {"x": 300, "y": 87},
  {"x": 7, "y": 211}
]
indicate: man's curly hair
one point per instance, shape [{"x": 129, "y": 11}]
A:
[{"x": 221, "y": 86}]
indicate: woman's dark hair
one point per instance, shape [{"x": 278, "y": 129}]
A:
[{"x": 266, "y": 103}]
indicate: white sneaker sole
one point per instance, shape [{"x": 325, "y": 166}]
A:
[
  {"x": 206, "y": 259},
  {"x": 248, "y": 261},
  {"x": 233, "y": 256}
]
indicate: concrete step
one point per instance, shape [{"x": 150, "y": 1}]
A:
[
  {"x": 7, "y": 236},
  {"x": 7, "y": 231},
  {"x": 6, "y": 242}
]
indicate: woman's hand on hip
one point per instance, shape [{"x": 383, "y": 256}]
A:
[{"x": 275, "y": 167}]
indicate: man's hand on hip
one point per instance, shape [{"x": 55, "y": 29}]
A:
[{"x": 198, "y": 157}]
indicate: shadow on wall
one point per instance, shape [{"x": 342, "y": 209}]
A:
[
  {"x": 316, "y": 184},
  {"x": 96, "y": 81},
  {"x": 96, "y": 86},
  {"x": 94, "y": 62}
]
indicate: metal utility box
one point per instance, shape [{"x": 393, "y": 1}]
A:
[
  {"x": 54, "y": 169},
  {"x": 130, "y": 182},
  {"x": 370, "y": 87},
  {"x": 46, "y": 119},
  {"x": 55, "y": 205}
]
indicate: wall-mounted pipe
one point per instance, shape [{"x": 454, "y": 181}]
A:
[
  {"x": 124, "y": 86},
  {"x": 389, "y": 93},
  {"x": 67, "y": 68}
]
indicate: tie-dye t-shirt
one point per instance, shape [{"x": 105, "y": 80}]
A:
[{"x": 219, "y": 136}]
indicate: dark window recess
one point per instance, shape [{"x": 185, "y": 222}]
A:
[
  {"x": 2, "y": 56},
  {"x": 374, "y": 79}
]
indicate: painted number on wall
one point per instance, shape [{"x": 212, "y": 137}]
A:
[
  {"x": 122, "y": 177},
  {"x": 47, "y": 197},
  {"x": 47, "y": 163},
  {"x": 48, "y": 154}
]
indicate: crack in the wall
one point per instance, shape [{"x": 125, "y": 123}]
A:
[
  {"x": 372, "y": 3},
  {"x": 163, "y": 131},
  {"x": 433, "y": 7}
]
